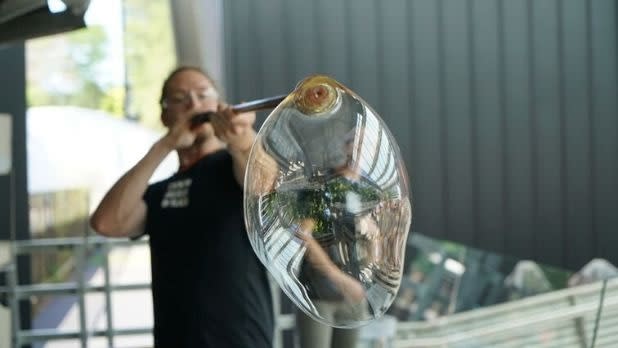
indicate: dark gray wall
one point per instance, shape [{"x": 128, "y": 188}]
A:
[
  {"x": 505, "y": 110},
  {"x": 13, "y": 101}
]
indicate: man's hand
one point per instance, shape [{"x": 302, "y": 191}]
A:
[
  {"x": 181, "y": 133},
  {"x": 236, "y": 130}
]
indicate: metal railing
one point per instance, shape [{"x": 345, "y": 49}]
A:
[
  {"x": 79, "y": 287},
  {"x": 568, "y": 313}
]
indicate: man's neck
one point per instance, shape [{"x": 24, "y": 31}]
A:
[{"x": 189, "y": 156}]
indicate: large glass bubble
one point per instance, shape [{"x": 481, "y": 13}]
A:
[{"x": 327, "y": 204}]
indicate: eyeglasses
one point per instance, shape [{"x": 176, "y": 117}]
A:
[{"x": 184, "y": 98}]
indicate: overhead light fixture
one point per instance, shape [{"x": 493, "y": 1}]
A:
[
  {"x": 56, "y": 6},
  {"x": 27, "y": 19}
]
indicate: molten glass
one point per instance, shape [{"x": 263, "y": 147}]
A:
[{"x": 327, "y": 204}]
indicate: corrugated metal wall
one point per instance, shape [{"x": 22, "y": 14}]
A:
[{"x": 505, "y": 110}]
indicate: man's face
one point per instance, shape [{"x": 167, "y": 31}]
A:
[{"x": 188, "y": 93}]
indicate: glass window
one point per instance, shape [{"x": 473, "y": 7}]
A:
[{"x": 93, "y": 111}]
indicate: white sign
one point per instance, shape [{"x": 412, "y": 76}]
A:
[{"x": 5, "y": 144}]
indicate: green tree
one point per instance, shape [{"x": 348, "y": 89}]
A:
[
  {"x": 74, "y": 76},
  {"x": 150, "y": 55},
  {"x": 87, "y": 51},
  {"x": 71, "y": 78},
  {"x": 38, "y": 96},
  {"x": 113, "y": 101}
]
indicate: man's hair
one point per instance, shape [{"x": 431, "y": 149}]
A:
[{"x": 177, "y": 71}]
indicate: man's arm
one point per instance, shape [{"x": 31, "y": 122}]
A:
[
  {"x": 240, "y": 151},
  {"x": 122, "y": 212},
  {"x": 236, "y": 130},
  {"x": 351, "y": 289}
]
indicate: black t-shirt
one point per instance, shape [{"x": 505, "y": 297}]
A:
[{"x": 209, "y": 288}]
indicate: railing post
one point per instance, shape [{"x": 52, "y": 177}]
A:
[
  {"x": 108, "y": 295},
  {"x": 14, "y": 300},
  {"x": 80, "y": 256},
  {"x": 276, "y": 297},
  {"x": 580, "y": 324},
  {"x": 13, "y": 268}
]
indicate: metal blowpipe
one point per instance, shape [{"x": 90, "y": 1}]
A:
[{"x": 254, "y": 105}]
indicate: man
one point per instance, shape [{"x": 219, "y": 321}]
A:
[{"x": 208, "y": 287}]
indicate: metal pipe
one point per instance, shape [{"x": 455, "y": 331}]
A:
[
  {"x": 44, "y": 335},
  {"x": 254, "y": 105},
  {"x": 13, "y": 281},
  {"x": 30, "y": 245},
  {"x": 14, "y": 301},
  {"x": 108, "y": 296},
  {"x": 80, "y": 254}
]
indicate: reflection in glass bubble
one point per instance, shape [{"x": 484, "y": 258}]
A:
[{"x": 326, "y": 204}]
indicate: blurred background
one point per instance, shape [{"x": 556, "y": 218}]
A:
[{"x": 504, "y": 110}]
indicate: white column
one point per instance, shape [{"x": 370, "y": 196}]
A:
[
  {"x": 5, "y": 144},
  {"x": 198, "y": 32}
]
